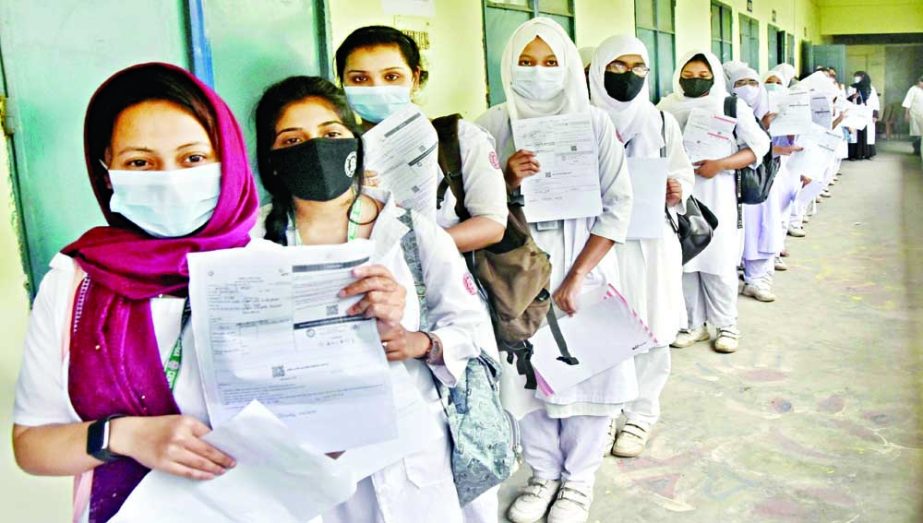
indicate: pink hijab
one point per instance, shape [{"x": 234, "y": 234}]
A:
[{"x": 115, "y": 364}]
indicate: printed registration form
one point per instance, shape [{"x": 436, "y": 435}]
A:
[
  {"x": 709, "y": 136},
  {"x": 567, "y": 185},
  {"x": 794, "y": 116},
  {"x": 269, "y": 326},
  {"x": 404, "y": 150}
]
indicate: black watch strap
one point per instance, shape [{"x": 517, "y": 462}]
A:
[{"x": 98, "y": 439}]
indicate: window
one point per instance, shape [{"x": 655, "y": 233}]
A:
[
  {"x": 776, "y": 43},
  {"x": 501, "y": 18},
  {"x": 654, "y": 25},
  {"x": 750, "y": 41},
  {"x": 721, "y": 21},
  {"x": 790, "y": 48}
]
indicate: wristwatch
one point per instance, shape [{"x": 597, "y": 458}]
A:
[
  {"x": 433, "y": 355},
  {"x": 98, "y": 439}
]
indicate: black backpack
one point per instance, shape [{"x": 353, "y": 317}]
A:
[{"x": 753, "y": 185}]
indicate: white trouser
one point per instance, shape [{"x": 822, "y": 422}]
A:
[
  {"x": 566, "y": 449},
  {"x": 710, "y": 298},
  {"x": 653, "y": 369},
  {"x": 484, "y": 508},
  {"x": 759, "y": 272}
]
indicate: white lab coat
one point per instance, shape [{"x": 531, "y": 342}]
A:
[
  {"x": 720, "y": 196},
  {"x": 651, "y": 270},
  {"x": 874, "y": 103},
  {"x": 602, "y": 394},
  {"x": 419, "y": 487},
  {"x": 914, "y": 103}
]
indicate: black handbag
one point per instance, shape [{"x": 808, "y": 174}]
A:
[
  {"x": 695, "y": 228},
  {"x": 753, "y": 184}
]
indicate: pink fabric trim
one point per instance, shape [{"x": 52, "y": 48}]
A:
[{"x": 83, "y": 483}]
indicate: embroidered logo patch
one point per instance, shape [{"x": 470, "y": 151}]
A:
[
  {"x": 494, "y": 161},
  {"x": 468, "y": 280}
]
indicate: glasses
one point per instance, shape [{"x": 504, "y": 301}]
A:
[
  {"x": 621, "y": 67},
  {"x": 741, "y": 83}
]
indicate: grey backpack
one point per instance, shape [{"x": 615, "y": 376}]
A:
[{"x": 485, "y": 438}]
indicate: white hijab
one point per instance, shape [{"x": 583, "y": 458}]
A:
[
  {"x": 586, "y": 55},
  {"x": 679, "y": 105},
  {"x": 788, "y": 73},
  {"x": 760, "y": 103},
  {"x": 574, "y": 99},
  {"x": 637, "y": 121},
  {"x": 731, "y": 67}
]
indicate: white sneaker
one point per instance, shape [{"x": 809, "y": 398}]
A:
[
  {"x": 797, "y": 232},
  {"x": 533, "y": 502},
  {"x": 780, "y": 264},
  {"x": 610, "y": 435},
  {"x": 758, "y": 292},
  {"x": 572, "y": 505},
  {"x": 686, "y": 337},
  {"x": 631, "y": 441},
  {"x": 826, "y": 193},
  {"x": 727, "y": 341},
  {"x": 805, "y": 219}
]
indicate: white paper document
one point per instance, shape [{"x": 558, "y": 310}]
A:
[
  {"x": 709, "y": 136},
  {"x": 269, "y": 326},
  {"x": 404, "y": 150},
  {"x": 857, "y": 116},
  {"x": 822, "y": 111},
  {"x": 567, "y": 186},
  {"x": 600, "y": 336},
  {"x": 819, "y": 146},
  {"x": 794, "y": 115},
  {"x": 275, "y": 480},
  {"x": 775, "y": 98},
  {"x": 649, "y": 197}
]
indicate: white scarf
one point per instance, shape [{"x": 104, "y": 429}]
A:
[
  {"x": 760, "y": 103},
  {"x": 679, "y": 105},
  {"x": 573, "y": 99},
  {"x": 637, "y": 121}
]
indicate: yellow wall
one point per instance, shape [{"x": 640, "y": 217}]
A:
[
  {"x": 599, "y": 19},
  {"x": 870, "y": 16},
  {"x": 23, "y": 497},
  {"x": 455, "y": 59},
  {"x": 868, "y": 58}
]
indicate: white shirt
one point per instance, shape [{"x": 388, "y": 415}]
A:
[{"x": 485, "y": 188}]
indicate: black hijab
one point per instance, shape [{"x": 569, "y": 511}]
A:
[{"x": 864, "y": 86}]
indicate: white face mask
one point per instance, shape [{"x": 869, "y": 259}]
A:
[
  {"x": 773, "y": 87},
  {"x": 538, "y": 83},
  {"x": 856, "y": 79},
  {"x": 748, "y": 93},
  {"x": 167, "y": 204}
]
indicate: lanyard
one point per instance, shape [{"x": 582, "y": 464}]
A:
[
  {"x": 171, "y": 368},
  {"x": 352, "y": 227}
]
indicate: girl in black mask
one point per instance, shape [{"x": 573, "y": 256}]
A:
[
  {"x": 650, "y": 269},
  {"x": 710, "y": 279},
  {"x": 309, "y": 157}
]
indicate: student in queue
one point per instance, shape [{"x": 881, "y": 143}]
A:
[
  {"x": 109, "y": 386},
  {"x": 381, "y": 70},
  {"x": 651, "y": 270},
  {"x": 710, "y": 279},
  {"x": 309, "y": 159},
  {"x": 563, "y": 434}
]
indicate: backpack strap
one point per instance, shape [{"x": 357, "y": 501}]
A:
[
  {"x": 730, "y": 109},
  {"x": 730, "y": 106},
  {"x": 450, "y": 161},
  {"x": 663, "y": 134},
  {"x": 412, "y": 256},
  {"x": 565, "y": 356}
]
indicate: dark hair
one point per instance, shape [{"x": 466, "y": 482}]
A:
[
  {"x": 698, "y": 58},
  {"x": 270, "y": 107},
  {"x": 129, "y": 88},
  {"x": 378, "y": 35}
]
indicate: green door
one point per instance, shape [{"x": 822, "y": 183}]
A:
[
  {"x": 831, "y": 56},
  {"x": 55, "y": 55}
]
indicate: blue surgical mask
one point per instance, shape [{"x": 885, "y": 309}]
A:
[
  {"x": 773, "y": 87},
  {"x": 374, "y": 104},
  {"x": 167, "y": 204},
  {"x": 538, "y": 83}
]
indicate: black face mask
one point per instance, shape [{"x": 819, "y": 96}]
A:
[
  {"x": 624, "y": 87},
  {"x": 696, "y": 87},
  {"x": 318, "y": 170}
]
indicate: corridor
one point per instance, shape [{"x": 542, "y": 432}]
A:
[{"x": 817, "y": 417}]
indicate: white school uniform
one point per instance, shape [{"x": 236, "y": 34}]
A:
[
  {"x": 721, "y": 256},
  {"x": 650, "y": 270},
  {"x": 419, "y": 487},
  {"x": 602, "y": 395},
  {"x": 913, "y": 102}
]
